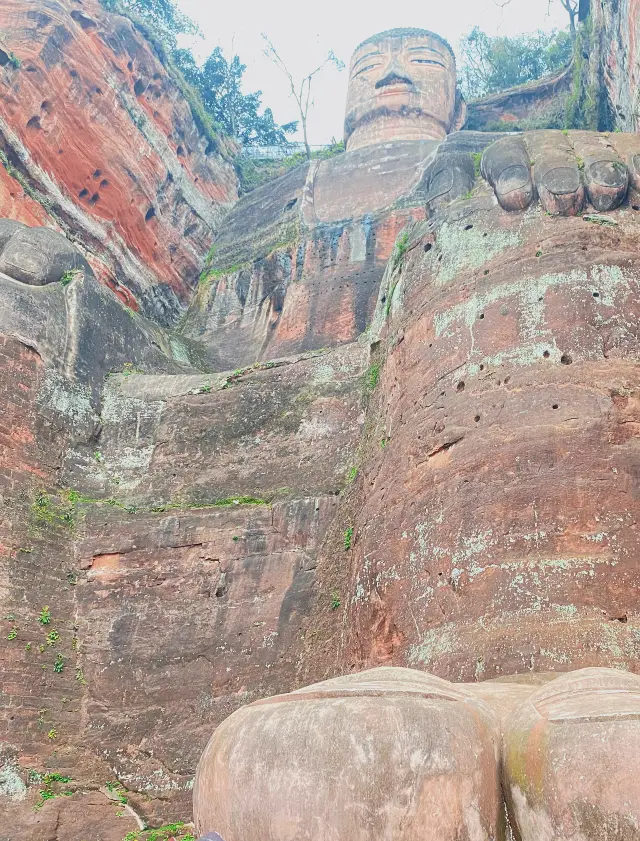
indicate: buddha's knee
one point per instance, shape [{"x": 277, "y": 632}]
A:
[
  {"x": 390, "y": 755},
  {"x": 571, "y": 757},
  {"x": 37, "y": 256}
]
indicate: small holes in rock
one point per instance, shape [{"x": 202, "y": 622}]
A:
[
  {"x": 565, "y": 359},
  {"x": 95, "y": 198},
  {"x": 540, "y": 299},
  {"x": 596, "y": 294},
  {"x": 486, "y": 272},
  {"x": 97, "y": 174},
  {"x": 468, "y": 227},
  {"x": 482, "y": 367},
  {"x": 150, "y": 214},
  {"x": 636, "y": 206},
  {"x": 546, "y": 354},
  {"x": 555, "y": 406},
  {"x": 291, "y": 204},
  {"x": 460, "y": 386},
  {"x": 477, "y": 419},
  {"x": 427, "y": 247},
  {"x": 481, "y": 315},
  {"x": 180, "y": 151},
  {"x": 34, "y": 123},
  {"x": 83, "y": 194},
  {"x": 440, "y": 259},
  {"x": 506, "y": 380}
]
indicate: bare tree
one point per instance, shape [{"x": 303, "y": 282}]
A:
[
  {"x": 300, "y": 91},
  {"x": 570, "y": 6}
]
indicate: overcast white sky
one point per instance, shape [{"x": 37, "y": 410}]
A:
[{"x": 304, "y": 31}]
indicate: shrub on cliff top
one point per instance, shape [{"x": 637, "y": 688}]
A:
[
  {"x": 165, "y": 17},
  {"x": 213, "y": 91},
  {"x": 492, "y": 64}
]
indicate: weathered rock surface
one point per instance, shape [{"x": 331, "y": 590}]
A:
[
  {"x": 614, "y": 58},
  {"x": 298, "y": 263},
  {"x": 507, "y": 405},
  {"x": 287, "y": 428},
  {"x": 98, "y": 132},
  {"x": 210, "y": 601},
  {"x": 69, "y": 818},
  {"x": 175, "y": 543},
  {"x": 53, "y": 303},
  {"x": 538, "y": 104}
]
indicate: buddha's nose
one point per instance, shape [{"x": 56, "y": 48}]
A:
[{"x": 393, "y": 74}]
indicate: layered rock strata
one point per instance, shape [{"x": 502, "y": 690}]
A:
[{"x": 97, "y": 134}]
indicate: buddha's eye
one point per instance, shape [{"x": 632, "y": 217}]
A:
[
  {"x": 427, "y": 61},
  {"x": 365, "y": 69}
]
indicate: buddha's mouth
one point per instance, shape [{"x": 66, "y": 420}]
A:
[{"x": 394, "y": 90}]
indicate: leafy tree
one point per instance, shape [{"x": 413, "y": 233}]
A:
[
  {"x": 219, "y": 82},
  {"x": 163, "y": 16},
  {"x": 492, "y": 64}
]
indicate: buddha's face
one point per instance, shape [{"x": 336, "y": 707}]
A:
[{"x": 401, "y": 87}]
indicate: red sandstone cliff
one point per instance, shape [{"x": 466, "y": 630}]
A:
[
  {"x": 615, "y": 58},
  {"x": 96, "y": 131}
]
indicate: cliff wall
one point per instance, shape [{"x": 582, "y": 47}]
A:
[
  {"x": 98, "y": 135},
  {"x": 615, "y": 60},
  {"x": 494, "y": 515}
]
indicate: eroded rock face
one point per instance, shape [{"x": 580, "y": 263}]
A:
[
  {"x": 298, "y": 262},
  {"x": 92, "y": 123},
  {"x": 506, "y": 405},
  {"x": 615, "y": 58},
  {"x": 455, "y": 490}
]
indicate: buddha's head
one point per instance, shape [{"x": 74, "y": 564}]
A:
[{"x": 402, "y": 86}]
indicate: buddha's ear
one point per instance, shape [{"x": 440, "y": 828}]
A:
[{"x": 460, "y": 114}]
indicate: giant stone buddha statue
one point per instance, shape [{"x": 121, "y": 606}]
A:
[
  {"x": 298, "y": 262},
  {"x": 472, "y": 568}
]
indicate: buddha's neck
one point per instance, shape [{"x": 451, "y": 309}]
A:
[{"x": 392, "y": 127}]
